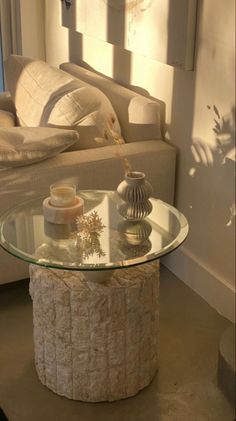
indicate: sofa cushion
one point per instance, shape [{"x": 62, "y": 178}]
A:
[
  {"x": 46, "y": 96},
  {"x": 7, "y": 119},
  {"x": 21, "y": 146},
  {"x": 88, "y": 112}
]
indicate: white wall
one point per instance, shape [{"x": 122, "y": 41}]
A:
[
  {"x": 204, "y": 189},
  {"x": 32, "y": 28}
]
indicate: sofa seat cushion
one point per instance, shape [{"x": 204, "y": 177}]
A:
[
  {"x": 47, "y": 96},
  {"x": 7, "y": 119},
  {"x": 21, "y": 146}
]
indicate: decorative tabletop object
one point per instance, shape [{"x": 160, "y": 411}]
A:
[
  {"x": 89, "y": 229},
  {"x": 135, "y": 191},
  {"x": 62, "y": 194},
  {"x": 57, "y": 231},
  {"x": 63, "y": 206}
]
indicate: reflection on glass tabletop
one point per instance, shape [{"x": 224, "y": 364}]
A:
[{"x": 101, "y": 240}]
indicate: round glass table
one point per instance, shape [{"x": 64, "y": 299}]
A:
[
  {"x": 27, "y": 235},
  {"x": 95, "y": 325}
]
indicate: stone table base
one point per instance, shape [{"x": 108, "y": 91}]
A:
[{"x": 95, "y": 341}]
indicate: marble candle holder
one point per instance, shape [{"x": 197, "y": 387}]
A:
[
  {"x": 65, "y": 214},
  {"x": 57, "y": 231}
]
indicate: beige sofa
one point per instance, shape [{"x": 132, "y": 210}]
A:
[{"x": 140, "y": 122}]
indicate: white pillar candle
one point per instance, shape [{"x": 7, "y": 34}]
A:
[{"x": 62, "y": 194}]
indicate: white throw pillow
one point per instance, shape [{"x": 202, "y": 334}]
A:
[
  {"x": 21, "y": 146},
  {"x": 47, "y": 96},
  {"x": 88, "y": 111}
]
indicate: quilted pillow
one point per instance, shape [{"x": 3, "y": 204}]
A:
[
  {"x": 88, "y": 111},
  {"x": 21, "y": 146},
  {"x": 46, "y": 96}
]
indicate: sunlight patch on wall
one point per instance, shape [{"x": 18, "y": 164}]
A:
[
  {"x": 57, "y": 37},
  {"x": 91, "y": 18},
  {"x": 146, "y": 29},
  {"x": 216, "y": 46},
  {"x": 157, "y": 80},
  {"x": 99, "y": 55}
]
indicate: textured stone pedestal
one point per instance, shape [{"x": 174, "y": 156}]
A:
[{"x": 96, "y": 341}]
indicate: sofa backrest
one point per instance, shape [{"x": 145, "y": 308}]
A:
[
  {"x": 139, "y": 116},
  {"x": 74, "y": 97}
]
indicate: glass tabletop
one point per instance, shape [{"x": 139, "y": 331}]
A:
[{"x": 100, "y": 240}]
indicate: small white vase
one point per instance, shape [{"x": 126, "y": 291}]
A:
[{"x": 135, "y": 191}]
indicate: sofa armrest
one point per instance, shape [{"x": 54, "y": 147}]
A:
[{"x": 6, "y": 102}]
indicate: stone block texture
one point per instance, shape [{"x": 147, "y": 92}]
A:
[{"x": 96, "y": 341}]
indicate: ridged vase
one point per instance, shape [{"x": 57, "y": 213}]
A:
[
  {"x": 134, "y": 232},
  {"x": 135, "y": 192}
]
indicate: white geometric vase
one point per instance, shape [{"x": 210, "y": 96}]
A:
[{"x": 135, "y": 191}]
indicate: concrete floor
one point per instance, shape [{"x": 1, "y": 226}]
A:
[{"x": 185, "y": 388}]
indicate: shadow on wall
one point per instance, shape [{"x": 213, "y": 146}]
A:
[
  {"x": 210, "y": 204},
  {"x": 217, "y": 161}
]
